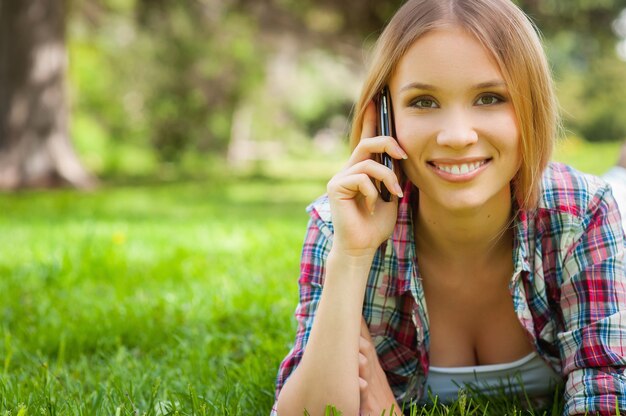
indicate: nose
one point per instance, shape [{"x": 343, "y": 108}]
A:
[{"x": 457, "y": 131}]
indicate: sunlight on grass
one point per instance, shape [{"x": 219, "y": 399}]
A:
[{"x": 110, "y": 295}]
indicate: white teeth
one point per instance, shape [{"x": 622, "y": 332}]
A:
[{"x": 460, "y": 169}]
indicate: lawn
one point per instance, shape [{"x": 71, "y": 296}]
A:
[
  {"x": 162, "y": 299},
  {"x": 147, "y": 298}
]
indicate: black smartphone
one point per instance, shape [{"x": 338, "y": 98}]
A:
[{"x": 385, "y": 128}]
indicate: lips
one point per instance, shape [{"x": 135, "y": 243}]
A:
[{"x": 459, "y": 168}]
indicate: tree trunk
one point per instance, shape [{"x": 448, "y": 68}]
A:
[{"x": 35, "y": 148}]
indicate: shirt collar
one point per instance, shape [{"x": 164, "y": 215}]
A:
[
  {"x": 403, "y": 241},
  {"x": 522, "y": 239}
]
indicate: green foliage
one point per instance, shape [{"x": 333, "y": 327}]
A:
[
  {"x": 590, "y": 18},
  {"x": 589, "y": 86},
  {"x": 108, "y": 121},
  {"x": 602, "y": 96},
  {"x": 206, "y": 69},
  {"x": 166, "y": 84},
  {"x": 157, "y": 86}
]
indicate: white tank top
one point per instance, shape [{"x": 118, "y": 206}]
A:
[{"x": 531, "y": 372}]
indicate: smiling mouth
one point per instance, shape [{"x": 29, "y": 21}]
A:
[{"x": 460, "y": 168}]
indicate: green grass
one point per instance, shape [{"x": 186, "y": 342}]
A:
[
  {"x": 142, "y": 298},
  {"x": 164, "y": 299}
]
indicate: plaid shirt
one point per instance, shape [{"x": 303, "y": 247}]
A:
[{"x": 568, "y": 289}]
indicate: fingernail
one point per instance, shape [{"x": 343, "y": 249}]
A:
[
  {"x": 402, "y": 152},
  {"x": 398, "y": 190}
]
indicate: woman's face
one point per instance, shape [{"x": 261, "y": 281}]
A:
[{"x": 455, "y": 120}]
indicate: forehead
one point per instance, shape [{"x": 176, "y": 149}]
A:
[{"x": 447, "y": 57}]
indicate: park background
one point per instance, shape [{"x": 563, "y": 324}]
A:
[{"x": 156, "y": 158}]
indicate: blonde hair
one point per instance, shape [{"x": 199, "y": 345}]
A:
[{"x": 513, "y": 41}]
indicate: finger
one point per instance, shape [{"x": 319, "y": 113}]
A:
[
  {"x": 368, "y": 146},
  {"x": 365, "y": 331},
  {"x": 353, "y": 185},
  {"x": 365, "y": 346},
  {"x": 369, "y": 121},
  {"x": 363, "y": 367},
  {"x": 362, "y": 385},
  {"x": 363, "y": 394},
  {"x": 379, "y": 172}
]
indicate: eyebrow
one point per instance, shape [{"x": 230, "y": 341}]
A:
[{"x": 430, "y": 87}]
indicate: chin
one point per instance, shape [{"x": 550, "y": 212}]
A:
[
  {"x": 464, "y": 206},
  {"x": 466, "y": 202}
]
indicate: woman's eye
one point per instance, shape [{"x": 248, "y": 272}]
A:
[
  {"x": 424, "y": 103},
  {"x": 489, "y": 100}
]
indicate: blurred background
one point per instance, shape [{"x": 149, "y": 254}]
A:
[
  {"x": 202, "y": 129},
  {"x": 96, "y": 91}
]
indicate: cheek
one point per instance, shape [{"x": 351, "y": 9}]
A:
[
  {"x": 507, "y": 122},
  {"x": 411, "y": 134},
  {"x": 504, "y": 130},
  {"x": 508, "y": 136}
]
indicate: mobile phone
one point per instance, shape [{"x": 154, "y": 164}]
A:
[{"x": 385, "y": 128}]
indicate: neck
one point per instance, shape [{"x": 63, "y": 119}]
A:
[{"x": 474, "y": 235}]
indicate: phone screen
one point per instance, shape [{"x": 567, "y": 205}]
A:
[{"x": 385, "y": 128}]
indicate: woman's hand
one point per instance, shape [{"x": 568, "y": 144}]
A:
[
  {"x": 375, "y": 393},
  {"x": 362, "y": 220}
]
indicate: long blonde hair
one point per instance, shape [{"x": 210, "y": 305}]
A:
[{"x": 513, "y": 41}]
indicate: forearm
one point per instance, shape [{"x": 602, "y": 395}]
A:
[{"x": 328, "y": 372}]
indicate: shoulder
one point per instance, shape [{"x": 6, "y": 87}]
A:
[
  {"x": 319, "y": 211},
  {"x": 317, "y": 244},
  {"x": 573, "y": 204},
  {"x": 566, "y": 190},
  {"x": 576, "y": 214}
]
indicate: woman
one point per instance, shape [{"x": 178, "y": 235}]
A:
[{"x": 488, "y": 260}]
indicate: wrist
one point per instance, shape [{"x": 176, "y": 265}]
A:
[
  {"x": 352, "y": 259},
  {"x": 355, "y": 258},
  {"x": 348, "y": 268}
]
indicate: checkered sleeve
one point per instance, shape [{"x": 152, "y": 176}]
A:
[
  {"x": 593, "y": 303},
  {"x": 315, "y": 250}
]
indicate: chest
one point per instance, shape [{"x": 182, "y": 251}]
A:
[{"x": 471, "y": 315}]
